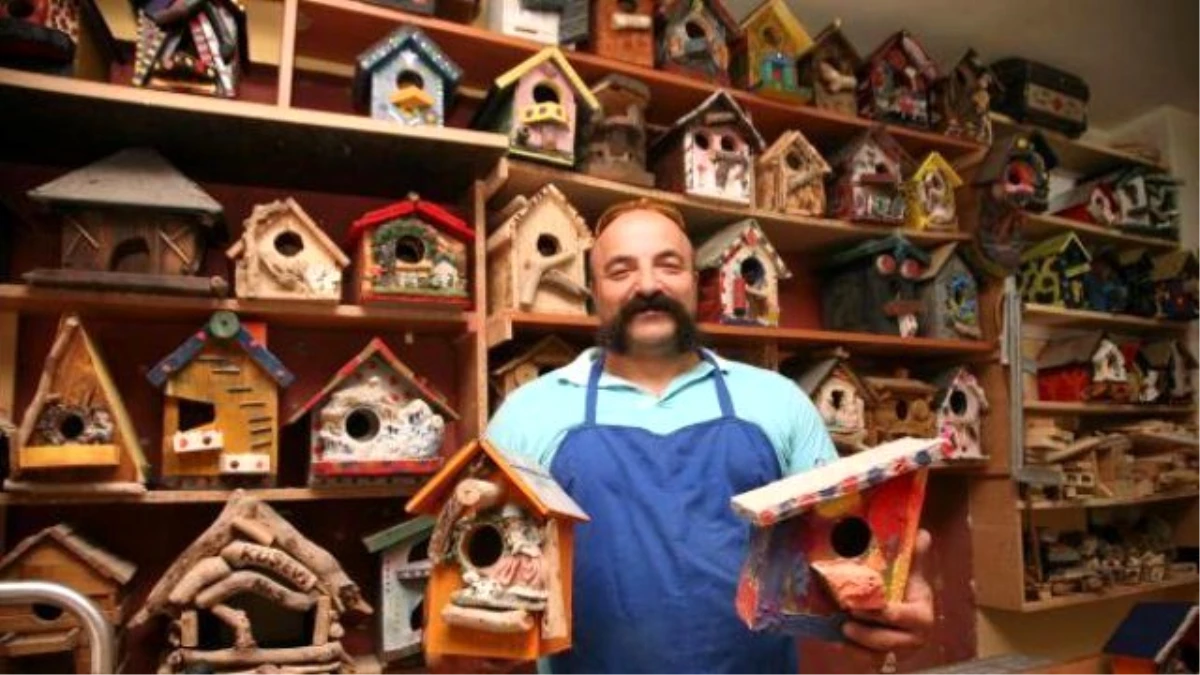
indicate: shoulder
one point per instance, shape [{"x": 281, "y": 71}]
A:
[{"x": 759, "y": 384}]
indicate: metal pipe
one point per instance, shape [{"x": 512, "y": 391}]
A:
[{"x": 100, "y": 632}]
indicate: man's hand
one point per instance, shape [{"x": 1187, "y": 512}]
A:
[{"x": 900, "y": 625}]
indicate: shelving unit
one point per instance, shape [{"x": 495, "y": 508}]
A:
[
  {"x": 1074, "y": 408},
  {"x": 1109, "y": 594},
  {"x": 1061, "y": 317},
  {"x": 1107, "y": 503},
  {"x": 1038, "y": 226},
  {"x": 1086, "y": 157},
  {"x": 398, "y": 490}
]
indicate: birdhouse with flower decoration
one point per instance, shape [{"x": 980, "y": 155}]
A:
[
  {"x": 695, "y": 38},
  {"x": 739, "y": 276},
  {"x": 950, "y": 295},
  {"x": 765, "y": 57},
  {"x": 930, "y": 194},
  {"x": 405, "y": 78},
  {"x": 895, "y": 82},
  {"x": 961, "y": 403},
  {"x": 873, "y": 288}
]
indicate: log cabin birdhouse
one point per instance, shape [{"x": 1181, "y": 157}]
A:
[
  {"x": 502, "y": 557},
  {"x": 1016, "y": 171},
  {"x": 549, "y": 354},
  {"x": 131, "y": 222},
  {"x": 873, "y": 288},
  {"x": 930, "y": 195},
  {"x": 903, "y": 407},
  {"x": 284, "y": 255},
  {"x": 1171, "y": 365},
  {"x": 841, "y": 398},
  {"x": 542, "y": 106},
  {"x": 828, "y": 71},
  {"x": 960, "y": 403},
  {"x": 249, "y": 582},
  {"x": 791, "y": 177},
  {"x": 834, "y": 539},
  {"x": 868, "y": 179},
  {"x": 960, "y": 100},
  {"x": 710, "y": 152},
  {"x": 221, "y": 412},
  {"x": 549, "y": 22},
  {"x": 1087, "y": 367},
  {"x": 617, "y": 147},
  {"x": 411, "y": 251},
  {"x": 1174, "y": 276},
  {"x": 197, "y": 47},
  {"x": 739, "y": 276},
  {"x": 1053, "y": 272},
  {"x": 373, "y": 421},
  {"x": 406, "y": 78},
  {"x": 1155, "y": 637},
  {"x": 538, "y": 255},
  {"x": 694, "y": 39},
  {"x": 64, "y": 37},
  {"x": 765, "y": 57},
  {"x": 623, "y": 30},
  {"x": 950, "y": 295},
  {"x": 895, "y": 82},
  {"x": 404, "y": 567}
]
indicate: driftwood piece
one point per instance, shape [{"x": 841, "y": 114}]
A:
[
  {"x": 222, "y": 658},
  {"x": 204, "y": 573},
  {"x": 136, "y": 282},
  {"x": 239, "y": 622},
  {"x": 241, "y": 554},
  {"x": 189, "y": 629},
  {"x": 245, "y": 581},
  {"x": 336, "y": 631},
  {"x": 81, "y": 488},
  {"x": 554, "y": 618},
  {"x": 322, "y": 621},
  {"x": 490, "y": 621},
  {"x": 478, "y": 494},
  {"x": 254, "y": 530},
  {"x": 345, "y": 592},
  {"x": 61, "y": 341}
]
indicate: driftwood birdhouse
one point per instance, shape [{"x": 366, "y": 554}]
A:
[
  {"x": 765, "y": 57},
  {"x": 960, "y": 101},
  {"x": 284, "y": 255},
  {"x": 873, "y": 288},
  {"x": 549, "y": 354},
  {"x": 623, "y": 30},
  {"x": 502, "y": 557},
  {"x": 961, "y": 403},
  {"x": 404, "y": 567},
  {"x": 1167, "y": 368},
  {"x": 828, "y": 71},
  {"x": 930, "y": 194},
  {"x": 950, "y": 295},
  {"x": 869, "y": 178},
  {"x": 694, "y": 39},
  {"x": 739, "y": 276},
  {"x": 550, "y": 22},
  {"x": 841, "y": 398},
  {"x": 894, "y": 83},
  {"x": 1174, "y": 276},
  {"x": 617, "y": 147},
  {"x": 1087, "y": 367},
  {"x": 63, "y": 37},
  {"x": 197, "y": 47},
  {"x": 791, "y": 177},
  {"x": 903, "y": 406},
  {"x": 406, "y": 78},
  {"x": 1054, "y": 270}
]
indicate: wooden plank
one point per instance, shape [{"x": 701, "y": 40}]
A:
[
  {"x": 71, "y": 455},
  {"x": 78, "y": 495},
  {"x": 1076, "y": 599},
  {"x": 1061, "y": 317},
  {"x": 40, "y": 643},
  {"x": 287, "y": 53},
  {"x": 1107, "y": 503},
  {"x": 996, "y": 530},
  {"x": 189, "y": 629},
  {"x": 8, "y": 366},
  {"x": 1078, "y": 155},
  {"x": 1076, "y": 408},
  {"x": 1039, "y": 226},
  {"x": 472, "y": 347}
]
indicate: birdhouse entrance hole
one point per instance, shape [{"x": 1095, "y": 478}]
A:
[
  {"x": 793, "y": 161},
  {"x": 274, "y": 626},
  {"x": 410, "y": 250},
  {"x": 694, "y": 30},
  {"x": 20, "y": 9},
  {"x": 71, "y": 426},
  {"x": 958, "y": 402},
  {"x": 46, "y": 612},
  {"x": 752, "y": 271},
  {"x": 836, "y": 397},
  {"x": 901, "y": 410},
  {"x": 131, "y": 255},
  {"x": 545, "y": 93},
  {"x": 194, "y": 414},
  {"x": 289, "y": 244},
  {"x": 362, "y": 424},
  {"x": 851, "y": 537},
  {"x": 409, "y": 78},
  {"x": 483, "y": 545},
  {"x": 547, "y": 245}
]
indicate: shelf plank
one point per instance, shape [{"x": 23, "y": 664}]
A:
[
  {"x": 1039, "y": 226},
  {"x": 1079, "y": 408},
  {"x": 1085, "y": 157},
  {"x": 287, "y": 494},
  {"x": 1083, "y": 504},
  {"x": 1076, "y": 599},
  {"x": 1061, "y": 317}
]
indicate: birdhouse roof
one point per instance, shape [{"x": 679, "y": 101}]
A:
[
  {"x": 714, "y": 7},
  {"x": 221, "y": 326},
  {"x": 788, "y": 21},
  {"x": 720, "y": 101},
  {"x": 720, "y": 247},
  {"x": 878, "y": 135},
  {"x": 549, "y": 345},
  {"x": 935, "y": 162},
  {"x": 264, "y": 212},
  {"x": 615, "y": 87},
  {"x": 816, "y": 375},
  {"x": 938, "y": 259},
  {"x": 791, "y": 496},
  {"x": 64, "y": 536},
  {"x": 1152, "y": 629},
  {"x": 1055, "y": 246},
  {"x": 429, "y": 212},
  {"x": 501, "y": 87},
  {"x": 516, "y": 211},
  {"x": 382, "y": 52},
  {"x": 900, "y": 382},
  {"x": 833, "y": 34},
  {"x": 794, "y": 139},
  {"x": 947, "y": 379},
  {"x": 896, "y": 244},
  {"x": 1175, "y": 265},
  {"x": 1072, "y": 350},
  {"x": 912, "y": 49},
  {"x": 397, "y": 535},
  {"x": 544, "y": 494},
  {"x": 998, "y": 155}
]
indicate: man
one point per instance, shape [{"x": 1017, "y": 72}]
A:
[{"x": 653, "y": 436}]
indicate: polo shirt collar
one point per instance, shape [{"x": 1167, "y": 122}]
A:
[{"x": 578, "y": 371}]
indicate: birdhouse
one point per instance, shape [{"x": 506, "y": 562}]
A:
[
  {"x": 764, "y": 59},
  {"x": 829, "y": 70},
  {"x": 960, "y": 101},
  {"x": 1155, "y": 637},
  {"x": 220, "y": 416},
  {"x": 549, "y": 22},
  {"x": 930, "y": 195},
  {"x": 834, "y": 539},
  {"x": 873, "y": 288},
  {"x": 894, "y": 83},
  {"x": 617, "y": 147},
  {"x": 1087, "y": 367},
  {"x": 131, "y": 222},
  {"x": 375, "y": 420},
  {"x": 411, "y": 251},
  {"x": 538, "y": 255},
  {"x": 791, "y": 177},
  {"x": 868, "y": 179},
  {"x": 1092, "y": 201},
  {"x": 1053, "y": 272},
  {"x": 404, "y": 567},
  {"x": 710, "y": 152},
  {"x": 549, "y": 354},
  {"x": 406, "y": 78},
  {"x": 301, "y": 596},
  {"x": 950, "y": 295},
  {"x": 62, "y": 37},
  {"x": 1162, "y": 212},
  {"x": 841, "y": 398},
  {"x": 59, "y": 555},
  {"x": 76, "y": 434},
  {"x": 1016, "y": 171},
  {"x": 694, "y": 39},
  {"x": 284, "y": 255},
  {"x": 196, "y": 47},
  {"x": 500, "y": 586},
  {"x": 623, "y": 30},
  {"x": 1134, "y": 267},
  {"x": 903, "y": 406},
  {"x": 739, "y": 276},
  {"x": 960, "y": 403},
  {"x": 1167, "y": 367},
  {"x": 1174, "y": 276},
  {"x": 1103, "y": 285}
]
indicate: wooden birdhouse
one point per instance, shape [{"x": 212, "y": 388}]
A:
[
  {"x": 131, "y": 222},
  {"x": 1174, "y": 276},
  {"x": 930, "y": 195},
  {"x": 828, "y": 70},
  {"x": 1053, "y": 272},
  {"x": 694, "y": 39},
  {"x": 375, "y": 420},
  {"x": 198, "y": 47},
  {"x": 406, "y": 78},
  {"x": 502, "y": 557},
  {"x": 739, "y": 276},
  {"x": 221, "y": 412},
  {"x": 63, "y": 37},
  {"x": 1104, "y": 286},
  {"x": 710, "y": 152},
  {"x": 59, "y": 555},
  {"x": 404, "y": 567},
  {"x": 894, "y": 83},
  {"x": 284, "y": 255},
  {"x": 1162, "y": 212},
  {"x": 1087, "y": 367},
  {"x": 1155, "y": 637},
  {"x": 960, "y": 101},
  {"x": 623, "y": 30},
  {"x": 1167, "y": 368},
  {"x": 549, "y": 22},
  {"x": 950, "y": 295},
  {"x": 765, "y": 57},
  {"x": 841, "y": 398},
  {"x": 1092, "y": 201},
  {"x": 834, "y": 539},
  {"x": 249, "y": 582},
  {"x": 873, "y": 288},
  {"x": 1134, "y": 268},
  {"x": 960, "y": 403},
  {"x": 549, "y": 354},
  {"x": 904, "y": 406},
  {"x": 411, "y": 251},
  {"x": 537, "y": 257},
  {"x": 617, "y": 147},
  {"x": 868, "y": 179},
  {"x": 791, "y": 177},
  {"x": 1016, "y": 171},
  {"x": 76, "y": 434}
]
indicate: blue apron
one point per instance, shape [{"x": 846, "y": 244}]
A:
[{"x": 656, "y": 569}]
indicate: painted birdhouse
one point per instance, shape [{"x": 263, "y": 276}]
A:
[
  {"x": 710, "y": 152},
  {"x": 411, "y": 251},
  {"x": 1016, "y": 171},
  {"x": 253, "y": 592},
  {"x": 828, "y": 70},
  {"x": 374, "y": 420},
  {"x": 1134, "y": 267},
  {"x": 1091, "y": 201},
  {"x": 1162, "y": 208},
  {"x": 76, "y": 434},
  {"x": 960, "y": 403},
  {"x": 834, "y": 539},
  {"x": 406, "y": 78},
  {"x": 221, "y": 412},
  {"x": 404, "y": 567},
  {"x": 1086, "y": 367},
  {"x": 791, "y": 177},
  {"x": 873, "y": 288},
  {"x": 904, "y": 406},
  {"x": 198, "y": 47},
  {"x": 63, "y": 37},
  {"x": 841, "y": 398},
  {"x": 623, "y": 30},
  {"x": 131, "y": 222},
  {"x": 1104, "y": 286},
  {"x": 894, "y": 83},
  {"x": 694, "y": 39},
  {"x": 537, "y": 257},
  {"x": 868, "y": 179},
  {"x": 284, "y": 255},
  {"x": 930, "y": 195},
  {"x": 550, "y": 22},
  {"x": 1174, "y": 276},
  {"x": 616, "y": 148},
  {"x": 549, "y": 354},
  {"x": 1167, "y": 368},
  {"x": 950, "y": 295},
  {"x": 765, "y": 57},
  {"x": 739, "y": 276},
  {"x": 1053, "y": 272},
  {"x": 36, "y": 631},
  {"x": 502, "y": 557},
  {"x": 960, "y": 101},
  {"x": 1155, "y": 637}
]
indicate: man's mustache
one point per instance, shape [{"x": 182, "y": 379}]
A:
[{"x": 615, "y": 334}]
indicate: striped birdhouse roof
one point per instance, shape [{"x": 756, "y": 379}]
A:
[
  {"x": 429, "y": 212},
  {"x": 222, "y": 326},
  {"x": 723, "y": 245},
  {"x": 107, "y": 565}
]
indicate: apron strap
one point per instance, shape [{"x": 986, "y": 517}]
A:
[
  {"x": 593, "y": 388},
  {"x": 722, "y": 390}
]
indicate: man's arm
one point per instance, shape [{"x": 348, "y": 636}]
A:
[{"x": 807, "y": 441}]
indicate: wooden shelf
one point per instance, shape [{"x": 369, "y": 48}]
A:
[
  {"x": 1077, "y": 408},
  {"x": 289, "y": 494},
  {"x": 1085, "y": 157},
  {"x": 1039, "y": 226},
  {"x": 1061, "y": 317},
  {"x": 1068, "y": 505},
  {"x": 1076, "y": 599}
]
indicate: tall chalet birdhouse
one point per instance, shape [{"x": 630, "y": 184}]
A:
[
  {"x": 502, "y": 557},
  {"x": 1053, "y": 272},
  {"x": 791, "y": 177},
  {"x": 64, "y": 37},
  {"x": 930, "y": 194},
  {"x": 710, "y": 152},
  {"x": 549, "y": 354},
  {"x": 537, "y": 257},
  {"x": 373, "y": 421},
  {"x": 895, "y": 82},
  {"x": 76, "y": 434},
  {"x": 829, "y": 70},
  {"x": 960, "y": 100},
  {"x": 868, "y": 179},
  {"x": 411, "y": 251},
  {"x": 131, "y": 222},
  {"x": 903, "y": 406},
  {"x": 623, "y": 30},
  {"x": 694, "y": 39},
  {"x": 1087, "y": 367},
  {"x": 404, "y": 567},
  {"x": 841, "y": 398},
  {"x": 873, "y": 288},
  {"x": 1155, "y": 637},
  {"x": 284, "y": 255},
  {"x": 1169, "y": 366},
  {"x": 765, "y": 56},
  {"x": 739, "y": 276},
  {"x": 220, "y": 416},
  {"x": 1174, "y": 276},
  {"x": 198, "y": 47},
  {"x": 550, "y": 22},
  {"x": 950, "y": 295},
  {"x": 616, "y": 148},
  {"x": 406, "y": 78},
  {"x": 835, "y": 539},
  {"x": 253, "y": 592},
  {"x": 1016, "y": 171},
  {"x": 960, "y": 403}
]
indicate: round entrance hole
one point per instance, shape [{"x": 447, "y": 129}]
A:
[
  {"x": 958, "y": 402},
  {"x": 545, "y": 93},
  {"x": 362, "y": 424},
  {"x": 46, "y": 612},
  {"x": 410, "y": 249},
  {"x": 71, "y": 426},
  {"x": 547, "y": 245},
  {"x": 288, "y": 244},
  {"x": 409, "y": 78},
  {"x": 851, "y": 537},
  {"x": 484, "y": 546}
]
